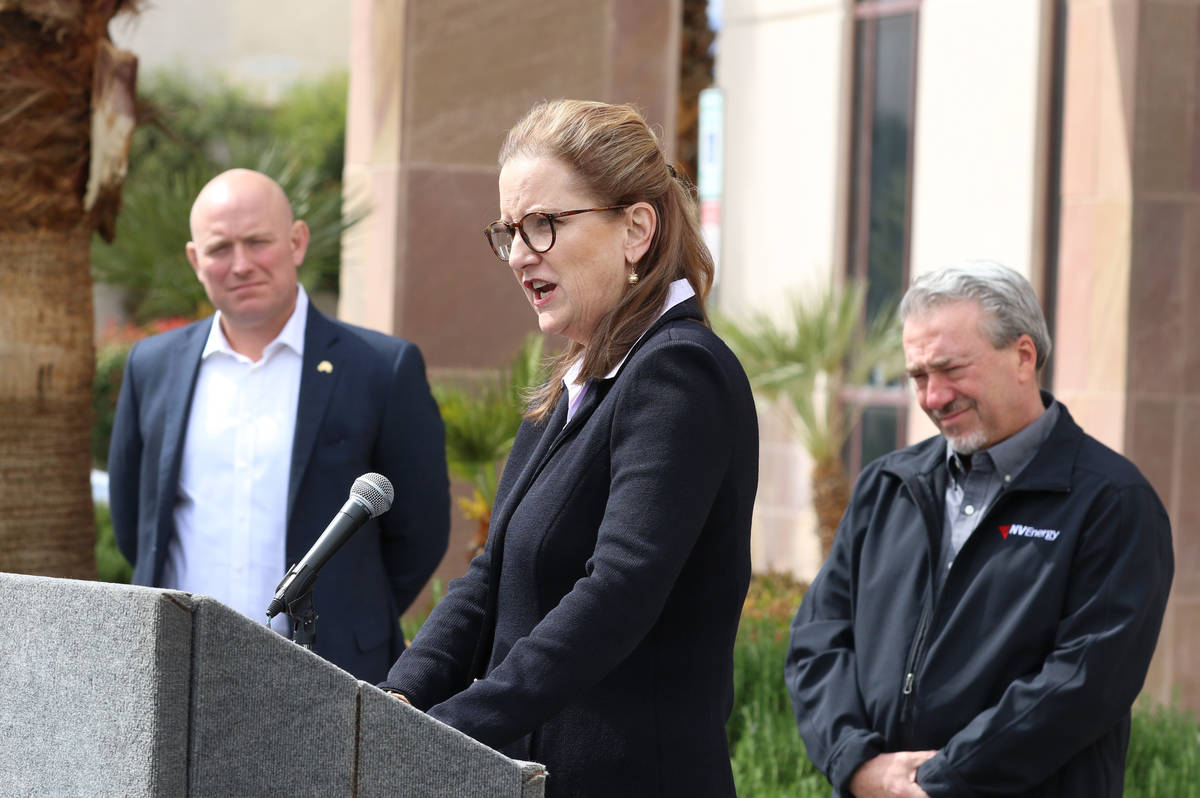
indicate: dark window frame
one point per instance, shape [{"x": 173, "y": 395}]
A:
[{"x": 867, "y": 14}]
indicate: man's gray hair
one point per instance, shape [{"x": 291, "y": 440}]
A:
[{"x": 1010, "y": 308}]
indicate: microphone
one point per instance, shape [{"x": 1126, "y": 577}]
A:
[{"x": 370, "y": 496}]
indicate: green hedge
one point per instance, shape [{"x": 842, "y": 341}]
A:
[
  {"x": 1164, "y": 753},
  {"x": 766, "y": 752},
  {"x": 110, "y": 563}
]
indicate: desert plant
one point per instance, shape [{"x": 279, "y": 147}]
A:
[
  {"x": 810, "y": 364},
  {"x": 481, "y": 425},
  {"x": 66, "y": 109}
]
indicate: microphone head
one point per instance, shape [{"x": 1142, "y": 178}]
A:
[{"x": 375, "y": 491}]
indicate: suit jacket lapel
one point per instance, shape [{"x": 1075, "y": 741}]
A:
[
  {"x": 181, "y": 373},
  {"x": 600, "y": 387},
  {"x": 550, "y": 434},
  {"x": 499, "y": 526},
  {"x": 559, "y": 430},
  {"x": 318, "y": 376}
]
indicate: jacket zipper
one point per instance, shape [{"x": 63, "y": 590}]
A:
[
  {"x": 918, "y": 645},
  {"x": 924, "y": 499},
  {"x": 910, "y": 665}
]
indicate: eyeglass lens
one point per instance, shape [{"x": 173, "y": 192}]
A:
[
  {"x": 536, "y": 228},
  {"x": 500, "y": 237}
]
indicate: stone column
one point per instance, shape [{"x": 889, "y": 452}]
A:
[
  {"x": 1128, "y": 335},
  {"x": 434, "y": 86}
]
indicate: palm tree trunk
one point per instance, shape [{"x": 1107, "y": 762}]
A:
[
  {"x": 66, "y": 113},
  {"x": 831, "y": 495},
  {"x": 46, "y": 368}
]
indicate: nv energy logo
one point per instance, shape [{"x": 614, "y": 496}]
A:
[{"x": 1022, "y": 531}]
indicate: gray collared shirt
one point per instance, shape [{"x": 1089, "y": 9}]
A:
[{"x": 969, "y": 493}]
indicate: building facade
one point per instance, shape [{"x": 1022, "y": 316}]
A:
[{"x": 879, "y": 139}]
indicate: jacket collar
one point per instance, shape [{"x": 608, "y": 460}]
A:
[
  {"x": 687, "y": 309},
  {"x": 1050, "y": 468}
]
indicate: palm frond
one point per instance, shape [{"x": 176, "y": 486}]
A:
[
  {"x": 481, "y": 420},
  {"x": 811, "y": 356}
]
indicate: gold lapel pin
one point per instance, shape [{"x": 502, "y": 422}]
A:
[{"x": 325, "y": 367}]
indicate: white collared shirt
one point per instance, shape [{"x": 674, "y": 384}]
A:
[
  {"x": 679, "y": 291},
  {"x": 231, "y": 508}
]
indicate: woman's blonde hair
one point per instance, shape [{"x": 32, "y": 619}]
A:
[{"x": 614, "y": 154}]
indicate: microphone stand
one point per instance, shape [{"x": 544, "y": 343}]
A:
[
  {"x": 304, "y": 620},
  {"x": 370, "y": 495}
]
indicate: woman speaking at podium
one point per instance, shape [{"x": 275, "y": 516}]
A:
[{"x": 595, "y": 632}]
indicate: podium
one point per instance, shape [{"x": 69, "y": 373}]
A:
[{"x": 112, "y": 690}]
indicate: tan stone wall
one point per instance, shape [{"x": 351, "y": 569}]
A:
[
  {"x": 1127, "y": 337},
  {"x": 1162, "y": 431}
]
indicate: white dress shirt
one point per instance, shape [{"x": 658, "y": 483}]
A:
[
  {"x": 677, "y": 292},
  {"x": 231, "y": 508}
]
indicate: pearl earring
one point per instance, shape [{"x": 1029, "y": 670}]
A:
[{"x": 633, "y": 278}]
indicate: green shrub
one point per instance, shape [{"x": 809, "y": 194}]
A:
[
  {"x": 766, "y": 752},
  {"x": 110, "y": 563},
  {"x": 110, "y": 363},
  {"x": 112, "y": 350},
  {"x": 193, "y": 131},
  {"x": 1164, "y": 753}
]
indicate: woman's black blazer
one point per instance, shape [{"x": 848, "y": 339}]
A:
[{"x": 595, "y": 632}]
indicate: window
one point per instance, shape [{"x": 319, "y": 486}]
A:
[{"x": 885, "y": 50}]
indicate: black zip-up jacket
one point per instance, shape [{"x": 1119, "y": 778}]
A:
[{"x": 1022, "y": 672}]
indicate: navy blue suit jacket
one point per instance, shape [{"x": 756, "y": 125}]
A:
[
  {"x": 372, "y": 412},
  {"x": 600, "y": 619}
]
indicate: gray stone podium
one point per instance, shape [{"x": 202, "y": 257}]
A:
[{"x": 111, "y": 690}]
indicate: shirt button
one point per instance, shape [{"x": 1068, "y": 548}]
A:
[
  {"x": 1008, "y": 477},
  {"x": 969, "y": 509}
]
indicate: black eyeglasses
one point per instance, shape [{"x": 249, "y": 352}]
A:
[{"x": 536, "y": 228}]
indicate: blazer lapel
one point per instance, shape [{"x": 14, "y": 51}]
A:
[
  {"x": 499, "y": 526},
  {"x": 501, "y": 514},
  {"x": 318, "y": 376},
  {"x": 181, "y": 373},
  {"x": 587, "y": 405},
  {"x": 600, "y": 387},
  {"x": 551, "y": 440}
]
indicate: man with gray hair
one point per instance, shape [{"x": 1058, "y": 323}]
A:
[{"x": 988, "y": 612}]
